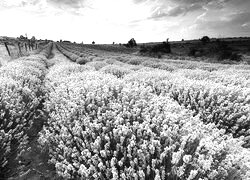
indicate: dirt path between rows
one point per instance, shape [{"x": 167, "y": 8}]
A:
[{"x": 57, "y": 57}]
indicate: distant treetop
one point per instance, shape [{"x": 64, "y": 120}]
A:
[{"x": 205, "y": 39}]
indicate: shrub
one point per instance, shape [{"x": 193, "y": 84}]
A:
[
  {"x": 113, "y": 61},
  {"x": 116, "y": 70},
  {"x": 156, "y": 50},
  {"x": 122, "y": 59},
  {"x": 81, "y": 60},
  {"x": 192, "y": 51},
  {"x": 228, "y": 54},
  {"x": 91, "y": 58},
  {"x": 144, "y": 48},
  {"x": 228, "y": 105},
  {"x": 135, "y": 61},
  {"x": 236, "y": 57},
  {"x": 167, "y": 67},
  {"x": 73, "y": 56},
  {"x": 97, "y": 64},
  {"x": 21, "y": 93},
  {"x": 131, "y": 43},
  {"x": 205, "y": 39},
  {"x": 120, "y": 130},
  {"x": 133, "y": 67},
  {"x": 196, "y": 52},
  {"x": 62, "y": 70},
  {"x": 152, "y": 64},
  {"x": 164, "y": 48},
  {"x": 82, "y": 55}
]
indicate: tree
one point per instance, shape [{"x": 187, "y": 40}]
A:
[
  {"x": 131, "y": 43},
  {"x": 93, "y": 42},
  {"x": 205, "y": 39},
  {"x": 33, "y": 39},
  {"x": 22, "y": 37}
]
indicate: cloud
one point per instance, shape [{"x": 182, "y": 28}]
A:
[
  {"x": 139, "y": 1},
  {"x": 240, "y": 18},
  {"x": 30, "y": 2},
  {"x": 32, "y": 7},
  {"x": 232, "y": 20},
  {"x": 17, "y": 3},
  {"x": 236, "y": 24},
  {"x": 172, "y": 8},
  {"x": 176, "y": 11},
  {"x": 64, "y": 4}
]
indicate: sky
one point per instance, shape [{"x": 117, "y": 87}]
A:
[{"x": 107, "y": 21}]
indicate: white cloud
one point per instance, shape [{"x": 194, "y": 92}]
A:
[{"x": 117, "y": 20}]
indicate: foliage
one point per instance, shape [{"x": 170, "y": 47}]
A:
[
  {"x": 116, "y": 70},
  {"x": 21, "y": 93},
  {"x": 225, "y": 52},
  {"x": 22, "y": 37},
  {"x": 131, "y": 43},
  {"x": 135, "y": 61},
  {"x": 33, "y": 39},
  {"x": 101, "y": 127},
  {"x": 205, "y": 39},
  {"x": 128, "y": 117},
  {"x": 156, "y": 49},
  {"x": 97, "y": 64},
  {"x": 225, "y": 105},
  {"x": 81, "y": 60}
]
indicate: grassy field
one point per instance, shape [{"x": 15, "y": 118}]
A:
[
  {"x": 107, "y": 112},
  {"x": 216, "y": 51}
]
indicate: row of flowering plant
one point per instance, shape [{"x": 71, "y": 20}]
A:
[
  {"x": 165, "y": 64},
  {"x": 226, "y": 106},
  {"x": 172, "y": 64},
  {"x": 88, "y": 53},
  {"x": 227, "y": 77},
  {"x": 46, "y": 50},
  {"x": 73, "y": 55},
  {"x": 21, "y": 92},
  {"x": 73, "y": 49},
  {"x": 116, "y": 70},
  {"x": 220, "y": 96},
  {"x": 102, "y": 127}
]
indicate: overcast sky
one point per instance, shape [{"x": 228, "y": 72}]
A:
[{"x": 105, "y": 21}]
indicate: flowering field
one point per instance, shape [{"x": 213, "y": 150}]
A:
[{"x": 116, "y": 116}]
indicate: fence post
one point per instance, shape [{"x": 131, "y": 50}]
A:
[
  {"x": 5, "y": 43},
  {"x": 26, "y": 47},
  {"x": 20, "y": 52}
]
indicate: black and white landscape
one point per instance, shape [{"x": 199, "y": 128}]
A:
[{"x": 125, "y": 89}]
